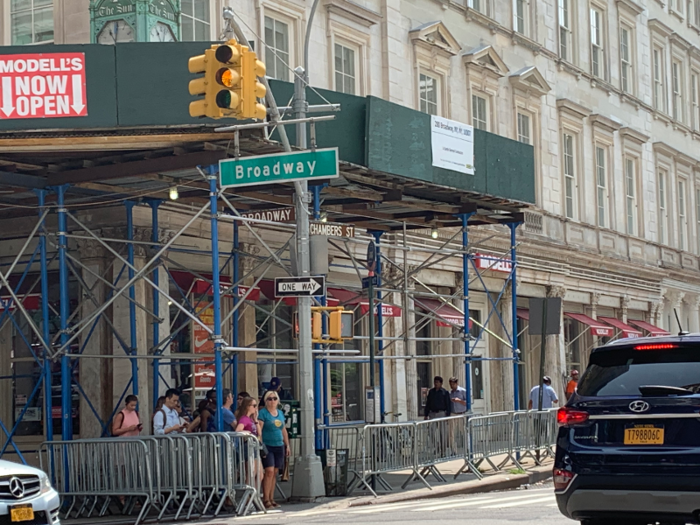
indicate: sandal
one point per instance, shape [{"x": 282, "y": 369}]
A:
[
  {"x": 275, "y": 504},
  {"x": 268, "y": 505}
]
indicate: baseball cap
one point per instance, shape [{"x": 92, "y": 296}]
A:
[
  {"x": 275, "y": 382},
  {"x": 547, "y": 379},
  {"x": 574, "y": 372}
]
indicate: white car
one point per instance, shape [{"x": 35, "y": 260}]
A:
[{"x": 26, "y": 496}]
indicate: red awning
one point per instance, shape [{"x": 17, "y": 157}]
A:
[
  {"x": 597, "y": 327},
  {"x": 523, "y": 313},
  {"x": 30, "y": 302},
  {"x": 653, "y": 330},
  {"x": 201, "y": 287},
  {"x": 350, "y": 298},
  {"x": 449, "y": 313},
  {"x": 627, "y": 330}
]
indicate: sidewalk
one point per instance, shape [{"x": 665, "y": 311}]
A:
[{"x": 467, "y": 483}]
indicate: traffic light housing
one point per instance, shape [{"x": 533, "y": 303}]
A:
[
  {"x": 229, "y": 85},
  {"x": 341, "y": 325}
]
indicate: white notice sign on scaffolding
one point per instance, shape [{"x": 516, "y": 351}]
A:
[{"x": 452, "y": 145}]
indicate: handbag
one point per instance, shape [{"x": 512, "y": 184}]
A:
[{"x": 263, "y": 450}]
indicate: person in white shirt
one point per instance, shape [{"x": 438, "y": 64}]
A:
[
  {"x": 167, "y": 419},
  {"x": 549, "y": 396}
]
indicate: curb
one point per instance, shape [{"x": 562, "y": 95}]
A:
[{"x": 489, "y": 484}]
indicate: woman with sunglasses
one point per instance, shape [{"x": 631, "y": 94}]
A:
[
  {"x": 247, "y": 417},
  {"x": 275, "y": 437}
]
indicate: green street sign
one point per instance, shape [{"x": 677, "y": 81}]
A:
[{"x": 279, "y": 167}]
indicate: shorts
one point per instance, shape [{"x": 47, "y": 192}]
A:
[{"x": 274, "y": 458}]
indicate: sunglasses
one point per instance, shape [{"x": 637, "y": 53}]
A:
[{"x": 271, "y": 399}]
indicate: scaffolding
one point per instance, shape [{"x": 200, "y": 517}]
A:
[{"x": 79, "y": 309}]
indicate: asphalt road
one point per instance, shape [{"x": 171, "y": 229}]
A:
[{"x": 533, "y": 506}]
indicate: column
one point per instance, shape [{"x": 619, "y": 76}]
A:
[
  {"x": 555, "y": 349},
  {"x": 586, "y": 352},
  {"x": 675, "y": 300},
  {"x": 505, "y": 380},
  {"x": 120, "y": 319},
  {"x": 624, "y": 304},
  {"x": 694, "y": 314},
  {"x": 95, "y": 374},
  {"x": 248, "y": 372},
  {"x": 163, "y": 283},
  {"x": 395, "y": 370}
]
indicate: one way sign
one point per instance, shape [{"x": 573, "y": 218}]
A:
[{"x": 300, "y": 286}]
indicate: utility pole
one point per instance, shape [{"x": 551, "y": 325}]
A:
[{"x": 307, "y": 483}]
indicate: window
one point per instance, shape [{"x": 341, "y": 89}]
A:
[
  {"x": 31, "y": 21},
  {"x": 625, "y": 59},
  {"x": 428, "y": 95},
  {"x": 569, "y": 176},
  {"x": 565, "y": 36},
  {"x": 682, "y": 219},
  {"x": 663, "y": 208},
  {"x": 601, "y": 185},
  {"x": 631, "y": 196},
  {"x": 520, "y": 16},
  {"x": 695, "y": 103},
  {"x": 479, "y": 113},
  {"x": 597, "y": 49},
  {"x": 345, "y": 69},
  {"x": 694, "y": 12},
  {"x": 479, "y": 5},
  {"x": 276, "y": 49},
  {"x": 659, "y": 98},
  {"x": 524, "y": 134},
  {"x": 677, "y": 85}
]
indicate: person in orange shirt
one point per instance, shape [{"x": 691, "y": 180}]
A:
[{"x": 571, "y": 385}]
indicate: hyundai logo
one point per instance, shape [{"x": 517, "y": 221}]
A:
[
  {"x": 16, "y": 488},
  {"x": 639, "y": 406}
]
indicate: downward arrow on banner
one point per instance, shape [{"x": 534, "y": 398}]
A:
[
  {"x": 78, "y": 105},
  {"x": 7, "y": 107}
]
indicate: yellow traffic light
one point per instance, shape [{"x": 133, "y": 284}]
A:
[
  {"x": 252, "y": 89},
  {"x": 316, "y": 326},
  {"x": 228, "y": 78},
  {"x": 341, "y": 325}
]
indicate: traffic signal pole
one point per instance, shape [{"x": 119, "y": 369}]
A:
[{"x": 307, "y": 483}]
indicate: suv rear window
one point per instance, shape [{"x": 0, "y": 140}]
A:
[{"x": 620, "y": 372}]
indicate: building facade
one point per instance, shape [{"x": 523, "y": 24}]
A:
[{"x": 607, "y": 92}]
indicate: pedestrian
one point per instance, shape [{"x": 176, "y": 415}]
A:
[
  {"x": 571, "y": 385},
  {"x": 127, "y": 422},
  {"x": 159, "y": 408},
  {"x": 167, "y": 419},
  {"x": 458, "y": 397},
  {"x": 549, "y": 396},
  {"x": 276, "y": 439},
  {"x": 240, "y": 398},
  {"x": 276, "y": 385},
  {"x": 229, "y": 419},
  {"x": 247, "y": 417},
  {"x": 439, "y": 402}
]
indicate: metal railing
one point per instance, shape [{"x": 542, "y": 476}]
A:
[
  {"x": 178, "y": 476},
  {"x": 420, "y": 447}
]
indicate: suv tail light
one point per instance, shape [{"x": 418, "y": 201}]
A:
[
  {"x": 562, "y": 478},
  {"x": 568, "y": 417},
  {"x": 656, "y": 346}
]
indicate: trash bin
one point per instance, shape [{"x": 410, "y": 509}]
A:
[{"x": 335, "y": 471}]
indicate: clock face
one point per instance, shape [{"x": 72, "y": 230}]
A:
[
  {"x": 161, "y": 32},
  {"x": 116, "y": 31}
]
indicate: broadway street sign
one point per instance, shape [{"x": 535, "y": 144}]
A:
[
  {"x": 279, "y": 168},
  {"x": 276, "y": 215},
  {"x": 300, "y": 286}
]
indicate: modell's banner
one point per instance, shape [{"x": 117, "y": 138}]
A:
[
  {"x": 42, "y": 85},
  {"x": 204, "y": 374}
]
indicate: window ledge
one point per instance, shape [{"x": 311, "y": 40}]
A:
[
  {"x": 631, "y": 99},
  {"x": 663, "y": 117},
  {"x": 677, "y": 14},
  {"x": 601, "y": 84},
  {"x": 565, "y": 65},
  {"x": 525, "y": 41},
  {"x": 480, "y": 18}
]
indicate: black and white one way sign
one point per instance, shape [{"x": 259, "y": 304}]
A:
[{"x": 300, "y": 286}]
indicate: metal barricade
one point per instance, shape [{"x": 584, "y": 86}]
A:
[
  {"x": 178, "y": 476},
  {"x": 439, "y": 441},
  {"x": 347, "y": 437}
]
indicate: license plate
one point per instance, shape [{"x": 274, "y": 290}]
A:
[
  {"x": 644, "y": 435},
  {"x": 20, "y": 513}
]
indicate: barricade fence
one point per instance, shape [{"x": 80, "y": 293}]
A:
[
  {"x": 419, "y": 447},
  {"x": 179, "y": 476}
]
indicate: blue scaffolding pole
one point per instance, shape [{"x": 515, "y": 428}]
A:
[
  {"x": 66, "y": 375},
  {"x": 216, "y": 293},
  {"x": 156, "y": 303},
  {"x": 320, "y": 368},
  {"x": 235, "y": 261},
  {"x": 516, "y": 353},
  {"x": 380, "y": 322},
  {"x": 465, "y": 297},
  {"x": 45, "y": 319},
  {"x": 129, "y": 205}
]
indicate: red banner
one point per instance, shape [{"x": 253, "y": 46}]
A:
[
  {"x": 42, "y": 85},
  {"x": 204, "y": 375}
]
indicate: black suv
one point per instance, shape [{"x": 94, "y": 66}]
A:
[{"x": 628, "y": 449}]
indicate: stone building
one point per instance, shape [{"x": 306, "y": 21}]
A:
[{"x": 607, "y": 92}]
